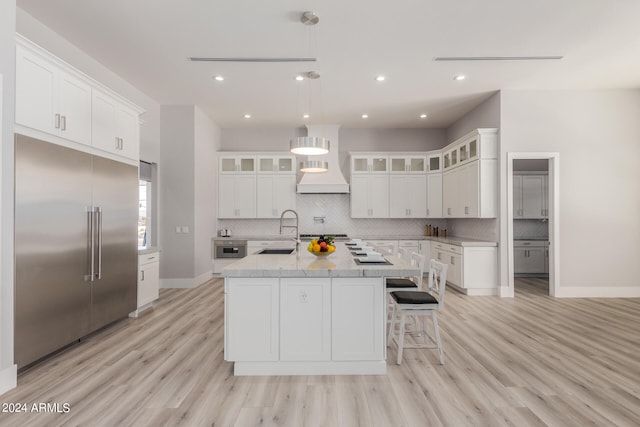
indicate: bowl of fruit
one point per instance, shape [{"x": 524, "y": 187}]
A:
[{"x": 322, "y": 246}]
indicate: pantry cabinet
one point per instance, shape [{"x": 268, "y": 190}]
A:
[
  {"x": 530, "y": 257},
  {"x": 530, "y": 194}
]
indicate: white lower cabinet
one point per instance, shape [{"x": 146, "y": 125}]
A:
[
  {"x": 357, "y": 319},
  {"x": 424, "y": 247},
  {"x": 252, "y": 323},
  {"x": 148, "y": 281},
  {"x": 472, "y": 269},
  {"x": 305, "y": 319},
  {"x": 297, "y": 320}
]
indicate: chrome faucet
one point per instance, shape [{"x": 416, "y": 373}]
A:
[{"x": 297, "y": 239}]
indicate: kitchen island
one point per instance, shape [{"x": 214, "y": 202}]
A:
[{"x": 299, "y": 314}]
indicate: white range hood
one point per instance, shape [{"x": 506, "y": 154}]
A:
[{"x": 331, "y": 181}]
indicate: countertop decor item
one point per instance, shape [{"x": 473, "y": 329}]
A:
[{"x": 322, "y": 246}]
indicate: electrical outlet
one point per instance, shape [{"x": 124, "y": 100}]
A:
[
  {"x": 177, "y": 229},
  {"x": 185, "y": 229}
]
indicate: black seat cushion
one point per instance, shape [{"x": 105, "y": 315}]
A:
[
  {"x": 411, "y": 297},
  {"x": 398, "y": 282}
]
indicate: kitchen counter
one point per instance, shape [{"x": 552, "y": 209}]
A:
[
  {"x": 339, "y": 264},
  {"x": 299, "y": 314},
  {"x": 451, "y": 240},
  {"x": 148, "y": 250}
]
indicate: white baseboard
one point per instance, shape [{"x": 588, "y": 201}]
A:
[
  {"x": 506, "y": 292},
  {"x": 370, "y": 367},
  {"x": 8, "y": 378},
  {"x": 186, "y": 283},
  {"x": 598, "y": 292}
]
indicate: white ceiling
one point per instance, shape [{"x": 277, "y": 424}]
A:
[{"x": 147, "y": 43}]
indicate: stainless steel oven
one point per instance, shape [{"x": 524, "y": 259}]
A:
[{"x": 225, "y": 248}]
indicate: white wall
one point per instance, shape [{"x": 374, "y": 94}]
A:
[
  {"x": 597, "y": 134},
  {"x": 7, "y": 92}
]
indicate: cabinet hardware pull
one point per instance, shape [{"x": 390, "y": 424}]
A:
[
  {"x": 64, "y": 122},
  {"x": 142, "y": 280},
  {"x": 57, "y": 125}
]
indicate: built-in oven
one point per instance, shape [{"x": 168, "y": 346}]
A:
[{"x": 225, "y": 248}]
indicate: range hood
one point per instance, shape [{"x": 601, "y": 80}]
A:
[{"x": 332, "y": 181}]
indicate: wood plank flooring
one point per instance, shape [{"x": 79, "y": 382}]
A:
[{"x": 528, "y": 361}]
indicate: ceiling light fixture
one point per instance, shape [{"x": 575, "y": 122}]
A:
[
  {"x": 305, "y": 116},
  {"x": 219, "y": 78},
  {"x": 380, "y": 78},
  {"x": 365, "y": 116},
  {"x": 309, "y": 146},
  {"x": 299, "y": 78},
  {"x": 496, "y": 58},
  {"x": 314, "y": 166},
  {"x": 459, "y": 77},
  {"x": 247, "y": 116},
  {"x": 423, "y": 116},
  {"x": 309, "y": 18},
  {"x": 249, "y": 59}
]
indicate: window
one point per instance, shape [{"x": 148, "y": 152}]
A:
[{"x": 145, "y": 205}]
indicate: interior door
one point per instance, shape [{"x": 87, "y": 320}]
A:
[
  {"x": 115, "y": 192},
  {"x": 52, "y": 193}
]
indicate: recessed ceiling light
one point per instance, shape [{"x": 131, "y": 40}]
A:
[
  {"x": 247, "y": 116},
  {"x": 459, "y": 77},
  {"x": 423, "y": 116},
  {"x": 380, "y": 78},
  {"x": 299, "y": 78},
  {"x": 219, "y": 78},
  {"x": 305, "y": 116},
  {"x": 365, "y": 116}
]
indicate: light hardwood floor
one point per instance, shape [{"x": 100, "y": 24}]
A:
[{"x": 528, "y": 361}]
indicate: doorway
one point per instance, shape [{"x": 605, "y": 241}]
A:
[{"x": 532, "y": 219}]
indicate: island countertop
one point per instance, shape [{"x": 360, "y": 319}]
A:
[{"x": 341, "y": 263}]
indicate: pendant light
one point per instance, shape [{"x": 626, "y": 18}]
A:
[{"x": 311, "y": 145}]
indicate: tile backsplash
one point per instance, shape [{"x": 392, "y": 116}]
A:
[
  {"x": 530, "y": 228},
  {"x": 329, "y": 213}
]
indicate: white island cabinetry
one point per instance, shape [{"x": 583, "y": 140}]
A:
[{"x": 299, "y": 315}]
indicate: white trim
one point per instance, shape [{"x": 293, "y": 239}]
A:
[
  {"x": 598, "y": 292},
  {"x": 554, "y": 218},
  {"x": 8, "y": 378},
  {"x": 186, "y": 283},
  {"x": 366, "y": 367}
]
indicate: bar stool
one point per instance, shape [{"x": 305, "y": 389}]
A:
[
  {"x": 405, "y": 283},
  {"x": 420, "y": 303}
]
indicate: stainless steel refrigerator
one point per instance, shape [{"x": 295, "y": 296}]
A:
[{"x": 75, "y": 245}]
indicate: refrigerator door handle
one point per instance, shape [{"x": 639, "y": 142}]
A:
[
  {"x": 99, "y": 243},
  {"x": 92, "y": 244}
]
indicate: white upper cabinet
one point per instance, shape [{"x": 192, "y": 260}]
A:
[
  {"x": 434, "y": 162},
  {"x": 369, "y": 163},
  {"x": 241, "y": 163},
  {"x": 237, "y": 196},
  {"x": 53, "y": 98},
  {"x": 275, "y": 194},
  {"x": 434, "y": 195},
  {"x": 370, "y": 196},
  {"x": 407, "y": 196},
  {"x": 414, "y": 164},
  {"x": 50, "y": 99},
  {"x": 114, "y": 127},
  {"x": 277, "y": 164}
]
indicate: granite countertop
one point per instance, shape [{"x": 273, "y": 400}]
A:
[
  {"x": 339, "y": 264},
  {"x": 451, "y": 240}
]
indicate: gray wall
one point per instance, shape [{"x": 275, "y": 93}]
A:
[
  {"x": 597, "y": 134},
  {"x": 485, "y": 115},
  {"x": 7, "y": 70},
  {"x": 189, "y": 141}
]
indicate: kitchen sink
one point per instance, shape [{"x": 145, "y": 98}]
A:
[{"x": 282, "y": 251}]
